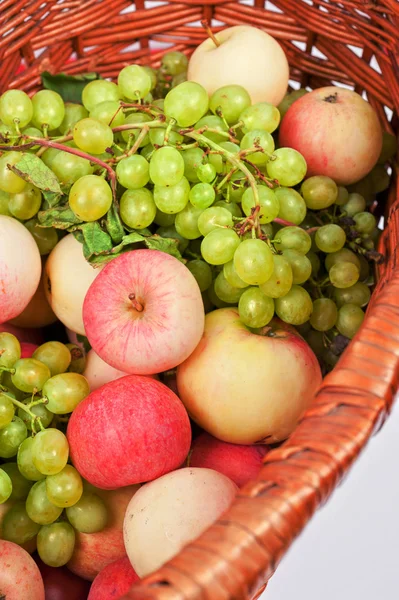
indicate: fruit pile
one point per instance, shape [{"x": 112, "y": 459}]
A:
[{"x": 138, "y": 208}]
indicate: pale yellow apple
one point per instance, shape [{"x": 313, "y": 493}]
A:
[{"x": 247, "y": 56}]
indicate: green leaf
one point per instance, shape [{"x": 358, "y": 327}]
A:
[
  {"x": 69, "y": 87},
  {"x": 82, "y": 339},
  {"x": 132, "y": 238},
  {"x": 51, "y": 199},
  {"x": 114, "y": 225},
  {"x": 168, "y": 245},
  {"x": 95, "y": 240},
  {"x": 33, "y": 170},
  {"x": 60, "y": 217}
]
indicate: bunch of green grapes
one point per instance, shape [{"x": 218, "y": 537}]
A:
[{"x": 49, "y": 501}]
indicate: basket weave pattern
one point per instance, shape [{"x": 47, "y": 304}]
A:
[{"x": 234, "y": 558}]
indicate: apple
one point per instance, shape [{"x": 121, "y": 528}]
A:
[
  {"x": 144, "y": 314},
  {"x": 33, "y": 336},
  {"x": 27, "y": 349},
  {"x": 19, "y": 574},
  {"x": 113, "y": 581},
  {"x": 128, "y": 431},
  {"x": 246, "y": 56},
  {"x": 247, "y": 387},
  {"x": 168, "y": 513},
  {"x": 68, "y": 276},
  {"x": 38, "y": 313},
  {"x": 336, "y": 131},
  {"x": 98, "y": 372},
  {"x": 94, "y": 551},
  {"x": 20, "y": 268},
  {"x": 239, "y": 463},
  {"x": 62, "y": 584}
]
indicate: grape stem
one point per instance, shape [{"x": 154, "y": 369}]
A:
[
  {"x": 283, "y": 222},
  {"x": 226, "y": 179},
  {"x": 26, "y": 408}
]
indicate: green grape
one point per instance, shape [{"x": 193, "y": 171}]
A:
[
  {"x": 260, "y": 116},
  {"x": 342, "y": 196},
  {"x": 25, "y": 204},
  {"x": 49, "y": 155},
  {"x": 178, "y": 79},
  {"x": 358, "y": 294},
  {"x": 186, "y": 222},
  {"x": 55, "y": 355},
  {"x": 50, "y": 451},
  {"x": 295, "y": 307},
  {"x": 163, "y": 219},
  {"x": 137, "y": 208},
  {"x": 389, "y": 147},
  {"x": 68, "y": 168},
  {"x": 253, "y": 261},
  {"x": 134, "y": 82},
  {"x": 186, "y": 103},
  {"x": 350, "y": 318},
  {"x": 289, "y": 100},
  {"x": 221, "y": 164},
  {"x": 40, "y": 411},
  {"x": 267, "y": 229},
  {"x": 65, "y": 391},
  {"x": 315, "y": 339},
  {"x": 213, "y": 299},
  {"x": 293, "y": 238},
  {"x": 17, "y": 526},
  {"x": 15, "y": 392},
  {"x": 7, "y": 133},
  {"x": 288, "y": 167},
  {"x": 231, "y": 101},
  {"x": 300, "y": 265},
  {"x": 212, "y": 122},
  {"x": 92, "y": 136},
  {"x": 324, "y": 315},
  {"x": 170, "y": 232},
  {"x": 281, "y": 279},
  {"x": 99, "y": 91},
  {"x": 255, "y": 309},
  {"x": 233, "y": 208},
  {"x": 206, "y": 173},
  {"x": 30, "y": 375},
  {"x": 108, "y": 112},
  {"x": 78, "y": 359},
  {"x": 364, "y": 268},
  {"x": 380, "y": 179},
  {"x": 236, "y": 187},
  {"x": 330, "y": 238},
  {"x": 269, "y": 205},
  {"x": 11, "y": 436},
  {"x": 343, "y": 255},
  {"x": 159, "y": 103},
  {"x": 65, "y": 488},
  {"x": 25, "y": 461},
  {"x": 225, "y": 291},
  {"x": 5, "y": 486},
  {"x": 133, "y": 134},
  {"x": 257, "y": 138},
  {"x": 319, "y": 192},
  {"x": 9, "y": 182},
  {"x": 292, "y": 205},
  {"x": 73, "y": 114},
  {"x": 172, "y": 199},
  {"x": 193, "y": 158},
  {"x": 365, "y": 222},
  {"x": 174, "y": 63},
  {"x": 46, "y": 238},
  {"x": 133, "y": 172},
  {"x": 202, "y": 273},
  {"x": 232, "y": 277},
  {"x": 10, "y": 349},
  {"x": 55, "y": 544},
  {"x": 219, "y": 245},
  {"x": 343, "y": 274},
  {"x": 90, "y": 198},
  {"x": 15, "y": 106},
  {"x": 202, "y": 195},
  {"x": 20, "y": 485},
  {"x": 4, "y": 200},
  {"x": 89, "y": 514},
  {"x": 315, "y": 262},
  {"x": 153, "y": 75},
  {"x": 166, "y": 166},
  {"x": 48, "y": 109},
  {"x": 7, "y": 409},
  {"x": 157, "y": 137},
  {"x": 213, "y": 218},
  {"x": 355, "y": 204}
]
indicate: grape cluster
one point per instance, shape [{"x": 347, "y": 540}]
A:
[
  {"x": 209, "y": 175},
  {"x": 37, "y": 395}
]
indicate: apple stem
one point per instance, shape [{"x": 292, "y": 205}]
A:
[
  {"x": 136, "y": 304},
  {"x": 206, "y": 26}
]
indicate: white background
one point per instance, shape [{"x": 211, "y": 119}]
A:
[{"x": 350, "y": 549}]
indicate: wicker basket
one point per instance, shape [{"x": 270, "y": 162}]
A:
[{"x": 236, "y": 556}]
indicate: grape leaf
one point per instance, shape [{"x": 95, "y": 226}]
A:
[
  {"x": 51, "y": 199},
  {"x": 114, "y": 225},
  {"x": 168, "y": 245},
  {"x": 95, "y": 240},
  {"x": 33, "y": 170},
  {"x": 69, "y": 87},
  {"x": 60, "y": 217},
  {"x": 131, "y": 238}
]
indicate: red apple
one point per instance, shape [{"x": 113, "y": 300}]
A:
[
  {"x": 245, "y": 387},
  {"x": 336, "y": 131},
  {"x": 131, "y": 430},
  {"x": 62, "y": 584},
  {"x": 113, "y": 581},
  {"x": 144, "y": 313},
  {"x": 94, "y": 551},
  {"x": 27, "y": 349},
  {"x": 20, "y": 577},
  {"x": 33, "y": 336},
  {"x": 239, "y": 463}
]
